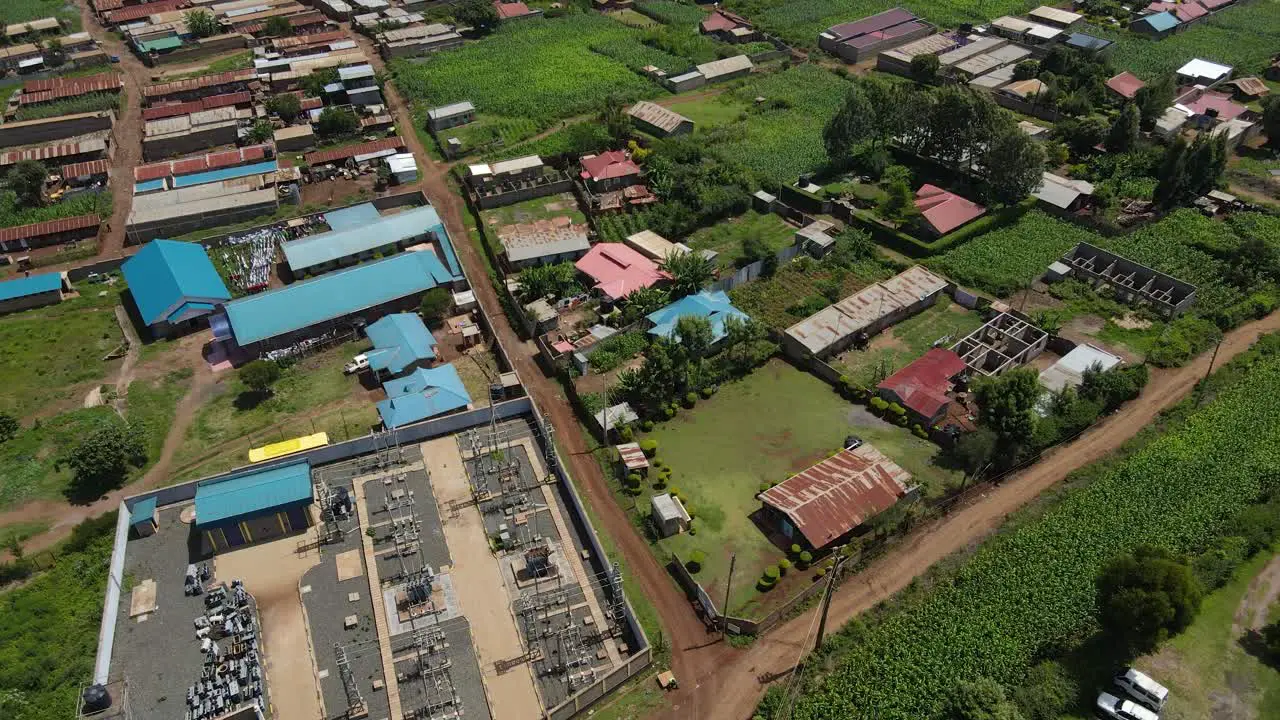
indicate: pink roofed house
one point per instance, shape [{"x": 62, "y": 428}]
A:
[
  {"x": 942, "y": 211},
  {"x": 922, "y": 386},
  {"x": 618, "y": 270},
  {"x": 1214, "y": 106},
  {"x": 512, "y": 10},
  {"x": 610, "y": 170},
  {"x": 1126, "y": 85},
  {"x": 1185, "y": 11}
]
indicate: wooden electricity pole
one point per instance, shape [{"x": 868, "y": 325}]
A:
[
  {"x": 826, "y": 599},
  {"x": 724, "y": 611}
]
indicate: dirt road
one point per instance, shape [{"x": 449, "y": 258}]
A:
[
  {"x": 731, "y": 691},
  {"x": 681, "y": 625}
]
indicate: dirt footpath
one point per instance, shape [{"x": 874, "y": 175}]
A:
[
  {"x": 731, "y": 691},
  {"x": 272, "y": 573},
  {"x": 477, "y": 578}
]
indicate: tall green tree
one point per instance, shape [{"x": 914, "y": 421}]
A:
[
  {"x": 558, "y": 281},
  {"x": 1271, "y": 120},
  {"x": 260, "y": 375},
  {"x": 1206, "y": 161},
  {"x": 100, "y": 461},
  {"x": 924, "y": 68},
  {"x": 478, "y": 14},
  {"x": 285, "y": 105},
  {"x": 201, "y": 23},
  {"x": 435, "y": 303},
  {"x": 9, "y": 427},
  {"x": 336, "y": 122},
  {"x": 1123, "y": 135},
  {"x": 1145, "y": 598},
  {"x": 1174, "y": 181},
  {"x": 1008, "y": 404},
  {"x": 26, "y": 180},
  {"x": 1014, "y": 167},
  {"x": 899, "y": 203},
  {"x": 979, "y": 699},
  {"x": 852, "y": 125},
  {"x": 1153, "y": 99},
  {"x": 690, "y": 272},
  {"x": 279, "y": 26}
]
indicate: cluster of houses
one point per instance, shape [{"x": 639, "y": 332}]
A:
[
  {"x": 1161, "y": 19},
  {"x": 39, "y": 45},
  {"x": 1208, "y": 99}
]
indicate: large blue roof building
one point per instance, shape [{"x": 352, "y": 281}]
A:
[
  {"x": 253, "y": 506},
  {"x": 400, "y": 342},
  {"x": 424, "y": 393},
  {"x": 174, "y": 284},
  {"x": 712, "y": 305}
]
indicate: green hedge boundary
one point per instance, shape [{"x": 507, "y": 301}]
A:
[{"x": 915, "y": 248}]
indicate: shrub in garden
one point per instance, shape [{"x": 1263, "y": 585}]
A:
[
  {"x": 897, "y": 410},
  {"x": 763, "y": 486},
  {"x": 673, "y": 490},
  {"x": 806, "y": 557},
  {"x": 696, "y": 558},
  {"x": 706, "y": 392},
  {"x": 649, "y": 446},
  {"x": 647, "y": 426},
  {"x": 668, "y": 412},
  {"x": 821, "y": 572},
  {"x": 690, "y": 399},
  {"x": 656, "y": 462},
  {"x": 772, "y": 573},
  {"x": 626, "y": 434},
  {"x": 920, "y": 432},
  {"x": 879, "y": 405},
  {"x": 693, "y": 529},
  {"x": 795, "y": 549},
  {"x": 784, "y": 565},
  {"x": 633, "y": 480}
]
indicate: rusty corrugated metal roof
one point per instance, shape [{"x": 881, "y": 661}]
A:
[
  {"x": 197, "y": 83},
  {"x": 51, "y": 227},
  {"x": 320, "y": 38},
  {"x": 53, "y": 151},
  {"x": 137, "y": 12},
  {"x": 323, "y": 156},
  {"x": 39, "y": 91},
  {"x": 840, "y": 493},
  {"x": 93, "y": 167}
]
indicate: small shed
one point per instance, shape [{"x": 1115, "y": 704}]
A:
[
  {"x": 669, "y": 516},
  {"x": 144, "y": 519},
  {"x": 632, "y": 458},
  {"x": 403, "y": 168}
]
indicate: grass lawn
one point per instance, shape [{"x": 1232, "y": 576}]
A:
[
  {"x": 478, "y": 370},
  {"x": 313, "y": 391},
  {"x": 1206, "y": 670},
  {"x": 727, "y": 238},
  {"x": 21, "y": 531},
  {"x": 708, "y": 112},
  {"x": 783, "y": 300},
  {"x": 49, "y": 350},
  {"x": 543, "y": 208},
  {"x": 894, "y": 348},
  {"x": 774, "y": 423},
  {"x": 633, "y": 18},
  {"x": 13, "y": 12}
]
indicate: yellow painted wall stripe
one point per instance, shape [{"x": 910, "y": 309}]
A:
[
  {"x": 213, "y": 542},
  {"x": 244, "y": 530}
]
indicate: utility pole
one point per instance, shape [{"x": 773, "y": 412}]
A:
[
  {"x": 724, "y": 612},
  {"x": 826, "y": 598},
  {"x": 1213, "y": 359}
]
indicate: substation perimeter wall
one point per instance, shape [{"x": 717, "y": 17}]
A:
[{"x": 636, "y": 663}]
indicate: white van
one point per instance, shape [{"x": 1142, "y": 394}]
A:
[
  {"x": 1114, "y": 708},
  {"x": 1142, "y": 688}
]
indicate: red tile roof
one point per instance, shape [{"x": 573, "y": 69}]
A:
[
  {"x": 922, "y": 386},
  {"x": 1216, "y": 4},
  {"x": 187, "y": 166},
  {"x": 839, "y": 494},
  {"x": 944, "y": 210},
  {"x": 507, "y": 10},
  {"x": 609, "y": 164},
  {"x": 105, "y": 5},
  {"x": 93, "y": 167},
  {"x": 723, "y": 20},
  {"x": 137, "y": 12},
  {"x": 143, "y": 173},
  {"x": 1201, "y": 102},
  {"x": 186, "y": 108},
  {"x": 39, "y": 91},
  {"x": 198, "y": 83},
  {"x": 1184, "y": 11},
  {"x": 619, "y": 270},
  {"x": 200, "y": 163},
  {"x": 324, "y": 156},
  {"x": 50, "y": 227},
  {"x": 1126, "y": 84}
]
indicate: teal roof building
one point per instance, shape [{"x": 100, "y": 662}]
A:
[
  {"x": 715, "y": 306},
  {"x": 333, "y": 296},
  {"x": 173, "y": 282},
  {"x": 253, "y": 506},
  {"x": 400, "y": 341},
  {"x": 424, "y": 393}
]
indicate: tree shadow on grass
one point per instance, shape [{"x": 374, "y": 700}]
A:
[
  {"x": 250, "y": 399},
  {"x": 1253, "y": 643}
]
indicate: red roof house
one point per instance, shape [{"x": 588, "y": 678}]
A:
[
  {"x": 1126, "y": 85},
  {"x": 922, "y": 386},
  {"x": 509, "y": 10},
  {"x": 610, "y": 170},
  {"x": 618, "y": 270},
  {"x": 837, "y": 495},
  {"x": 1211, "y": 104},
  {"x": 723, "y": 21},
  {"x": 1184, "y": 11},
  {"x": 944, "y": 211}
]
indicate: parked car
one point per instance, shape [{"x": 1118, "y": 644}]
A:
[
  {"x": 1116, "y": 708},
  {"x": 1139, "y": 686},
  {"x": 358, "y": 363}
]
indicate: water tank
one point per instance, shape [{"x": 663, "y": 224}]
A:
[{"x": 96, "y": 699}]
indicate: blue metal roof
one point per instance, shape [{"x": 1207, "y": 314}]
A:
[
  {"x": 166, "y": 275},
  {"x": 252, "y": 492},
  {"x": 356, "y": 216},
  {"x": 1160, "y": 21},
  {"x": 34, "y": 285},
  {"x": 142, "y": 511},
  {"x": 714, "y": 306},
  {"x": 424, "y": 393},
  {"x": 399, "y": 341},
  {"x": 230, "y": 173},
  {"x": 148, "y": 186},
  {"x": 335, "y": 295},
  {"x": 1087, "y": 42},
  {"x": 319, "y": 249}
]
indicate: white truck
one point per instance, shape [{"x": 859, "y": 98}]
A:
[{"x": 359, "y": 363}]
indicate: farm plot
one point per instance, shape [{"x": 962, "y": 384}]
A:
[
  {"x": 543, "y": 208},
  {"x": 13, "y": 12},
  {"x": 782, "y": 137},
  {"x": 730, "y": 238},
  {"x": 1031, "y": 588},
  {"x": 795, "y": 290},
  {"x": 798, "y": 22},
  {"x": 1244, "y": 36},
  {"x": 13, "y": 213},
  {"x": 893, "y": 349},
  {"x": 1004, "y": 261},
  {"x": 539, "y": 71},
  {"x": 765, "y": 428},
  {"x": 676, "y": 14}
]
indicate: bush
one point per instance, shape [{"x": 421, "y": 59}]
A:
[
  {"x": 649, "y": 447},
  {"x": 762, "y": 486},
  {"x": 806, "y": 557},
  {"x": 690, "y": 399},
  {"x": 668, "y": 412},
  {"x": 784, "y": 565},
  {"x": 696, "y": 559},
  {"x": 920, "y": 431},
  {"x": 897, "y": 410},
  {"x": 647, "y": 426},
  {"x": 706, "y": 392},
  {"x": 879, "y": 405},
  {"x": 625, "y": 434},
  {"x": 656, "y": 462},
  {"x": 693, "y": 529},
  {"x": 821, "y": 572},
  {"x": 772, "y": 573},
  {"x": 436, "y": 302},
  {"x": 795, "y": 547}
]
